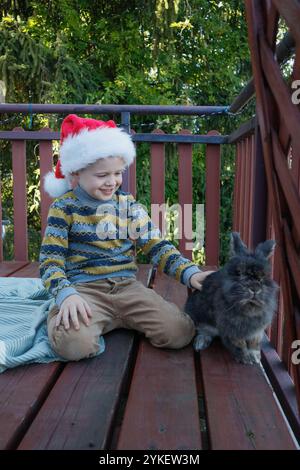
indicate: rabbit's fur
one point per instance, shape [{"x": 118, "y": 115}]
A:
[{"x": 237, "y": 302}]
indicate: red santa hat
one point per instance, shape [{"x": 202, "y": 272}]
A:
[{"x": 83, "y": 141}]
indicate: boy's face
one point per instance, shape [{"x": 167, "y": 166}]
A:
[{"x": 102, "y": 179}]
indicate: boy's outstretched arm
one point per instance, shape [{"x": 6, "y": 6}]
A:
[{"x": 162, "y": 252}]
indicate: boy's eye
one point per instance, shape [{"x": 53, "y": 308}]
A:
[{"x": 118, "y": 173}]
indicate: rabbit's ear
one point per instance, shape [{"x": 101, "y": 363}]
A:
[
  {"x": 265, "y": 249},
  {"x": 237, "y": 247}
]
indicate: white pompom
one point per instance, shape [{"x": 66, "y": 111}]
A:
[{"x": 55, "y": 187}]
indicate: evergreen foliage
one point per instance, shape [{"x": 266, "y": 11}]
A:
[{"x": 182, "y": 52}]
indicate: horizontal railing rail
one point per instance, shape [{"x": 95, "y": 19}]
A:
[
  {"x": 33, "y": 108},
  {"x": 243, "y": 131},
  {"x": 165, "y": 138}
]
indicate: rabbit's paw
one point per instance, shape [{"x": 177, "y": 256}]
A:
[
  {"x": 249, "y": 357},
  {"x": 256, "y": 355},
  {"x": 202, "y": 342}
]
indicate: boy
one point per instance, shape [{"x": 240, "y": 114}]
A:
[{"x": 87, "y": 254}]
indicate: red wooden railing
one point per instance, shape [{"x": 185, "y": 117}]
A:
[
  {"x": 157, "y": 155},
  {"x": 279, "y": 124},
  {"x": 254, "y": 219},
  {"x": 267, "y": 187},
  {"x": 244, "y": 190}
]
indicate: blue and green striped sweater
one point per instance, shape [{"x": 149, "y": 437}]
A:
[{"x": 87, "y": 239}]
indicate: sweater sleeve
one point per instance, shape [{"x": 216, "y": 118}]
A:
[
  {"x": 161, "y": 252},
  {"x": 53, "y": 253}
]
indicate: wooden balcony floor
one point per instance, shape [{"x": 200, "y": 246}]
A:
[{"x": 135, "y": 396}]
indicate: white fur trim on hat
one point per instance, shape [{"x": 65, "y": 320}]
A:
[
  {"x": 79, "y": 150},
  {"x": 56, "y": 187}
]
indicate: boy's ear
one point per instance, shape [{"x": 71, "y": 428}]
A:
[{"x": 74, "y": 178}]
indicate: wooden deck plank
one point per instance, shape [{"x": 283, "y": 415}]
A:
[
  {"x": 162, "y": 404},
  {"x": 30, "y": 270},
  {"x": 23, "y": 389},
  {"x": 80, "y": 411},
  {"x": 8, "y": 268},
  {"x": 162, "y": 408},
  {"x": 241, "y": 410}
]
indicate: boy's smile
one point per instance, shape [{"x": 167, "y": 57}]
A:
[{"x": 102, "y": 179}]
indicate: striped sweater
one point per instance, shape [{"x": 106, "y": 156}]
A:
[{"x": 87, "y": 239}]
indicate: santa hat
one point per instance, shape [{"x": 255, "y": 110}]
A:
[{"x": 83, "y": 142}]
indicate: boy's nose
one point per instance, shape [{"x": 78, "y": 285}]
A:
[{"x": 110, "y": 182}]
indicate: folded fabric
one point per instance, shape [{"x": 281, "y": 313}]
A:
[{"x": 24, "y": 307}]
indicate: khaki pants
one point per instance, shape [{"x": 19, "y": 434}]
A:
[{"x": 120, "y": 302}]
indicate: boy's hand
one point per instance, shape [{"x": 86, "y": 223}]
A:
[
  {"x": 197, "y": 279},
  {"x": 70, "y": 307}
]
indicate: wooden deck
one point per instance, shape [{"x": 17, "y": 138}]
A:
[{"x": 134, "y": 396}]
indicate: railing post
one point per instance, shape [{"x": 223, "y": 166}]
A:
[
  {"x": 125, "y": 123},
  {"x": 157, "y": 181},
  {"x": 260, "y": 195},
  {"x": 212, "y": 203},
  {"x": 20, "y": 199},
  {"x": 1, "y": 226},
  {"x": 185, "y": 186},
  {"x": 46, "y": 165}
]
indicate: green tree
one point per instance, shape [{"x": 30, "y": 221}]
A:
[{"x": 188, "y": 52}]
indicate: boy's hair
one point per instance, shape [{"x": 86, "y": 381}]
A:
[{"x": 83, "y": 142}]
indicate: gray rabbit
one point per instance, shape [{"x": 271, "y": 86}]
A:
[{"x": 237, "y": 302}]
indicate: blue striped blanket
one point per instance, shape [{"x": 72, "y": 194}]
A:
[{"x": 24, "y": 306}]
